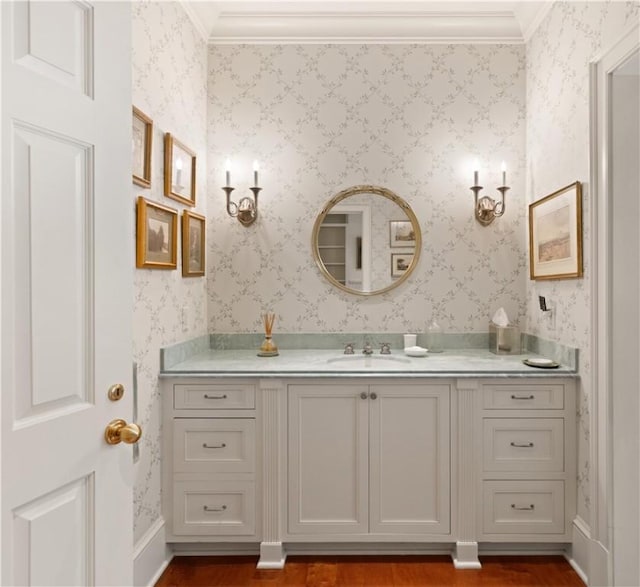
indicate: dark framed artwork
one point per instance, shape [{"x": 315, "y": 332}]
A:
[
  {"x": 157, "y": 236},
  {"x": 193, "y": 244}
]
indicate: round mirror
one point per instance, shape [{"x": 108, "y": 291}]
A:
[{"x": 366, "y": 240}]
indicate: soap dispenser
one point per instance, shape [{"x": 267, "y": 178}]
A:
[{"x": 434, "y": 337}]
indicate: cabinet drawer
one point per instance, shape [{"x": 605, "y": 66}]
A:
[
  {"x": 523, "y": 396},
  {"x": 213, "y": 445},
  {"x": 214, "y": 396},
  {"x": 214, "y": 508},
  {"x": 523, "y": 507},
  {"x": 523, "y": 444}
]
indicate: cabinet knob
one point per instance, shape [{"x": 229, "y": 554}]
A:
[
  {"x": 374, "y": 395},
  {"x": 364, "y": 395}
]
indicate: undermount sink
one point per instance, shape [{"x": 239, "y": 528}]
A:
[{"x": 355, "y": 361}]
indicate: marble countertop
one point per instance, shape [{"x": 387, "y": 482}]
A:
[{"x": 333, "y": 363}]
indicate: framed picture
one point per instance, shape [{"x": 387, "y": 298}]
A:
[
  {"x": 193, "y": 232},
  {"x": 157, "y": 237},
  {"x": 555, "y": 234},
  {"x": 401, "y": 234},
  {"x": 179, "y": 171},
  {"x": 142, "y": 138},
  {"x": 400, "y": 262}
]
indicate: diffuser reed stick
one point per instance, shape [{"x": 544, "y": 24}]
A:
[
  {"x": 268, "y": 347},
  {"x": 268, "y": 318}
]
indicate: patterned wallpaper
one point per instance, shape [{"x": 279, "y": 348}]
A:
[
  {"x": 169, "y": 85},
  {"x": 321, "y": 118},
  {"x": 558, "y": 56}
]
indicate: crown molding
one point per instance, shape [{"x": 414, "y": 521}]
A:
[
  {"x": 530, "y": 26},
  {"x": 228, "y": 22},
  {"x": 195, "y": 19},
  {"x": 365, "y": 27}
]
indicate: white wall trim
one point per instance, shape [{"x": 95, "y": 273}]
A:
[
  {"x": 532, "y": 26},
  {"x": 601, "y": 425},
  {"x": 297, "y": 23},
  {"x": 195, "y": 19},
  {"x": 151, "y": 555},
  {"x": 577, "y": 569},
  {"x": 579, "y": 558},
  {"x": 212, "y": 41}
]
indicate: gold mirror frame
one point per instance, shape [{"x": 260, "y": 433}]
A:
[{"x": 366, "y": 189}]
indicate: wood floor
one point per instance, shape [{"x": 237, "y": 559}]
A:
[{"x": 356, "y": 571}]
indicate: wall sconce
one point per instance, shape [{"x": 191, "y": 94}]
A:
[
  {"x": 486, "y": 208},
  {"x": 246, "y": 211}
]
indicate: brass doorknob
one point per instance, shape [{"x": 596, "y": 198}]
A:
[{"x": 119, "y": 431}]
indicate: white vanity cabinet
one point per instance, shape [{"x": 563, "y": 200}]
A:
[
  {"x": 369, "y": 459},
  {"x": 294, "y": 463},
  {"x": 526, "y": 436},
  {"x": 209, "y": 464}
]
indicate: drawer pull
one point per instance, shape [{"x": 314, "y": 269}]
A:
[
  {"x": 522, "y": 396},
  {"x": 526, "y": 507},
  {"x": 205, "y": 445},
  {"x": 522, "y": 444},
  {"x": 215, "y": 510},
  {"x": 206, "y": 396}
]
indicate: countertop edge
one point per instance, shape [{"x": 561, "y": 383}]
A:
[{"x": 369, "y": 374}]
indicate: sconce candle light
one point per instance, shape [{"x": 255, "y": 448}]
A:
[
  {"x": 486, "y": 208},
  {"x": 246, "y": 211}
]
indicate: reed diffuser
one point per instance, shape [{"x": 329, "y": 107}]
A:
[{"x": 268, "y": 347}]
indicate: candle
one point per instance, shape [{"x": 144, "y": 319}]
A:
[
  {"x": 178, "y": 172},
  {"x": 504, "y": 173},
  {"x": 256, "y": 167},
  {"x": 227, "y": 166},
  {"x": 476, "y": 167}
]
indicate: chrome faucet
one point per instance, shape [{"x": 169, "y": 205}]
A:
[
  {"x": 385, "y": 348},
  {"x": 348, "y": 348},
  {"x": 367, "y": 349}
]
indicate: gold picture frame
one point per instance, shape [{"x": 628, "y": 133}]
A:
[
  {"x": 193, "y": 244},
  {"x": 157, "y": 236},
  {"x": 179, "y": 171},
  {"x": 555, "y": 235},
  {"x": 401, "y": 234},
  {"x": 142, "y": 140},
  {"x": 400, "y": 263}
]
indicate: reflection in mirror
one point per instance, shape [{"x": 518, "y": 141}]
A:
[{"x": 366, "y": 240}]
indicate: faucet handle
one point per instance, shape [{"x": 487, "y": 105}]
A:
[
  {"x": 348, "y": 348},
  {"x": 385, "y": 348}
]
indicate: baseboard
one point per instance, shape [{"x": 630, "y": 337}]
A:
[
  {"x": 579, "y": 557},
  {"x": 215, "y": 548},
  {"x": 523, "y": 548},
  {"x": 599, "y": 561},
  {"x": 151, "y": 555}
]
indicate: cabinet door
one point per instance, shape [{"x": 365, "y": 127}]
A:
[
  {"x": 410, "y": 463},
  {"x": 328, "y": 459}
]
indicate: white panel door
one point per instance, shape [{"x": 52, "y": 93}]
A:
[
  {"x": 409, "y": 459},
  {"x": 66, "y": 275},
  {"x": 328, "y": 459}
]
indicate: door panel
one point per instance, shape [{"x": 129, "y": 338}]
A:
[
  {"x": 52, "y": 201},
  {"x": 61, "y": 52},
  {"x": 410, "y": 459},
  {"x": 52, "y": 537},
  {"x": 328, "y": 467},
  {"x": 67, "y": 254}
]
